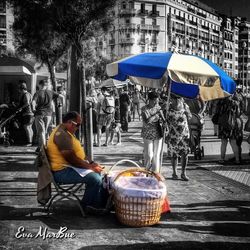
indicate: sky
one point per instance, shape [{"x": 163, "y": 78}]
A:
[{"x": 236, "y": 7}]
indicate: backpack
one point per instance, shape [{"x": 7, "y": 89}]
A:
[{"x": 108, "y": 106}]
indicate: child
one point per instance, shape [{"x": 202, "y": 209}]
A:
[{"x": 116, "y": 124}]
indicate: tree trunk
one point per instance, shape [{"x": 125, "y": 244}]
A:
[
  {"x": 74, "y": 83},
  {"x": 58, "y": 108}
]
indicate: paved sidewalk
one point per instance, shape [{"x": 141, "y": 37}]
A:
[{"x": 211, "y": 211}]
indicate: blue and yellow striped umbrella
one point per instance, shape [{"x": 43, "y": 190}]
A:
[{"x": 190, "y": 75}]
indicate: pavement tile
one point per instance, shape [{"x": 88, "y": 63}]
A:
[{"x": 211, "y": 211}]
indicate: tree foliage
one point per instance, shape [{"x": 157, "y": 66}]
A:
[{"x": 47, "y": 28}]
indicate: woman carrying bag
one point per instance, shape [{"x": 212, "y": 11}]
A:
[{"x": 152, "y": 132}]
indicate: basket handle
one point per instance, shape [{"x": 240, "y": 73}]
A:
[
  {"x": 133, "y": 170},
  {"x": 124, "y": 160}
]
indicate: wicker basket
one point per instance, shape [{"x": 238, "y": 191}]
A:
[{"x": 138, "y": 211}]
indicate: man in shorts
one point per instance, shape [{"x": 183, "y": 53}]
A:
[
  {"x": 43, "y": 109},
  {"x": 105, "y": 109}
]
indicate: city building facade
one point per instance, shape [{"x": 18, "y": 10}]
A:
[
  {"x": 6, "y": 21},
  {"x": 230, "y": 45},
  {"x": 186, "y": 26},
  {"x": 244, "y": 54},
  {"x": 165, "y": 25}
]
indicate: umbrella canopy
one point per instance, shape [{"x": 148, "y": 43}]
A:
[
  {"x": 112, "y": 83},
  {"x": 190, "y": 75}
]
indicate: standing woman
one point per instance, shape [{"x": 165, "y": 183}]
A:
[
  {"x": 151, "y": 132},
  {"x": 230, "y": 126},
  {"x": 178, "y": 137},
  {"x": 27, "y": 116}
]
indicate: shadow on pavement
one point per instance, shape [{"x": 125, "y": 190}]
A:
[
  {"x": 192, "y": 245},
  {"x": 224, "y": 218}
]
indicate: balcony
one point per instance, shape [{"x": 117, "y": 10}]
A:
[
  {"x": 179, "y": 31},
  {"x": 193, "y": 23},
  {"x": 127, "y": 40},
  {"x": 142, "y": 12},
  {"x": 216, "y": 31},
  {"x": 154, "y": 41},
  {"x": 192, "y": 34},
  {"x": 180, "y": 18},
  {"x": 127, "y": 26},
  {"x": 127, "y": 12},
  {"x": 204, "y": 38},
  {"x": 142, "y": 41},
  {"x": 214, "y": 41},
  {"x": 148, "y": 27},
  {"x": 191, "y": 10},
  {"x": 204, "y": 27},
  {"x": 201, "y": 14},
  {"x": 154, "y": 13},
  {"x": 2, "y": 25},
  {"x": 156, "y": 27}
]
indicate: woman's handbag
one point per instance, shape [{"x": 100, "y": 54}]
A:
[
  {"x": 247, "y": 126},
  {"x": 226, "y": 120},
  {"x": 215, "y": 118}
]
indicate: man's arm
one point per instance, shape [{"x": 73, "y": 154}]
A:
[
  {"x": 71, "y": 157},
  {"x": 64, "y": 144}
]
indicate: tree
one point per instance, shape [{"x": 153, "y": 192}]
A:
[
  {"x": 47, "y": 28},
  {"x": 34, "y": 33}
]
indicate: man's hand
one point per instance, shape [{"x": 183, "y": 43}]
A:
[{"x": 96, "y": 167}]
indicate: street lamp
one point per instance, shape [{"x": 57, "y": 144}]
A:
[{"x": 243, "y": 62}]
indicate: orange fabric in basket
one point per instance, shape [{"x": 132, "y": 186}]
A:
[{"x": 165, "y": 206}]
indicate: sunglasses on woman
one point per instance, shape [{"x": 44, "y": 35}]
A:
[{"x": 76, "y": 124}]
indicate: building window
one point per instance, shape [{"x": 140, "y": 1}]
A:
[
  {"x": 131, "y": 5},
  {"x": 143, "y": 8},
  {"x": 154, "y": 22},
  {"x": 2, "y": 22},
  {"x": 154, "y": 8},
  {"x": 124, "y": 5},
  {"x": 2, "y": 6}
]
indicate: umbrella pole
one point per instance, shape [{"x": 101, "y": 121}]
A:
[{"x": 164, "y": 130}]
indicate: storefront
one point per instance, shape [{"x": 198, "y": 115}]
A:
[{"x": 12, "y": 70}]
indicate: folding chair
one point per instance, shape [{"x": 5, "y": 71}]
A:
[{"x": 63, "y": 191}]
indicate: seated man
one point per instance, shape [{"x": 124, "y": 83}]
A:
[{"x": 69, "y": 164}]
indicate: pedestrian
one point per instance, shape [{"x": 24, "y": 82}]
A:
[
  {"x": 212, "y": 112},
  {"x": 70, "y": 165},
  {"x": 230, "y": 126},
  {"x": 247, "y": 124},
  {"x": 105, "y": 109},
  {"x": 43, "y": 109},
  {"x": 92, "y": 98},
  {"x": 124, "y": 109},
  {"x": 27, "y": 116},
  {"x": 178, "y": 137},
  {"x": 62, "y": 102},
  {"x": 116, "y": 125},
  {"x": 152, "y": 132},
  {"x": 136, "y": 98}
]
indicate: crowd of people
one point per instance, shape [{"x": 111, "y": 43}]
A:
[
  {"x": 165, "y": 120},
  {"x": 124, "y": 104},
  {"x": 36, "y": 112}
]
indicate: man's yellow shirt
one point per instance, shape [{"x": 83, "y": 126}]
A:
[{"x": 62, "y": 139}]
